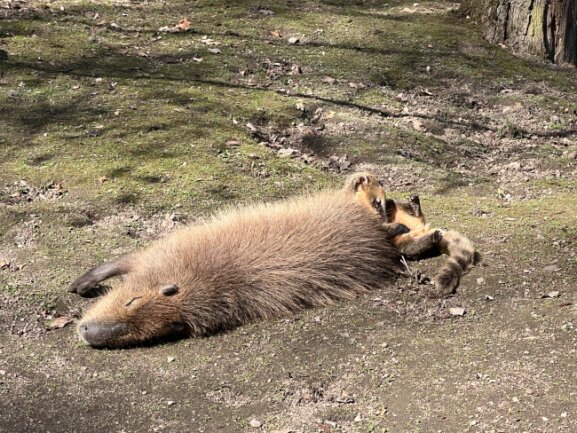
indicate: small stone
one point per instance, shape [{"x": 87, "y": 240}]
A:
[
  {"x": 457, "y": 311},
  {"x": 552, "y": 268},
  {"x": 170, "y": 403},
  {"x": 254, "y": 423},
  {"x": 572, "y": 155},
  {"x": 2, "y": 372},
  {"x": 287, "y": 152},
  {"x": 512, "y": 166},
  {"x": 551, "y": 295},
  {"x": 515, "y": 400},
  {"x": 358, "y": 418},
  {"x": 329, "y": 80},
  {"x": 563, "y": 414},
  {"x": 170, "y": 359},
  {"x": 480, "y": 280},
  {"x": 294, "y": 40},
  {"x": 418, "y": 125}
]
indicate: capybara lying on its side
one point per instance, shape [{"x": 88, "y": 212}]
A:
[{"x": 252, "y": 263}]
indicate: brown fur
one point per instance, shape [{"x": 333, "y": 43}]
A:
[{"x": 248, "y": 264}]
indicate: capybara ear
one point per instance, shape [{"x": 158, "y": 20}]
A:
[{"x": 169, "y": 290}]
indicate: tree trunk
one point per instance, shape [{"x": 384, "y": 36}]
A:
[{"x": 546, "y": 28}]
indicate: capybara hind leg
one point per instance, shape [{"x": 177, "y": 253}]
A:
[{"x": 83, "y": 284}]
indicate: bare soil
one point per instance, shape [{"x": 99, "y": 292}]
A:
[{"x": 113, "y": 133}]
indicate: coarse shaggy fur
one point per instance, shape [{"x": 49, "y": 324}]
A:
[{"x": 259, "y": 262}]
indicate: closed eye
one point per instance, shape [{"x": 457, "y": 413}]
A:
[{"x": 132, "y": 300}]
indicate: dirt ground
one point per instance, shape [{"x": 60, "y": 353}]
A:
[{"x": 115, "y": 129}]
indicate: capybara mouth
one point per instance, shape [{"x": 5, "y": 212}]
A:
[{"x": 103, "y": 334}]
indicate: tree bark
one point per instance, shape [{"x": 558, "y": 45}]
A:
[{"x": 546, "y": 28}]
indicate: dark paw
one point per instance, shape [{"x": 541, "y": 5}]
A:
[
  {"x": 87, "y": 287},
  {"x": 445, "y": 285},
  {"x": 92, "y": 291},
  {"x": 415, "y": 204},
  {"x": 437, "y": 236},
  {"x": 390, "y": 208},
  {"x": 415, "y": 200},
  {"x": 477, "y": 258}
]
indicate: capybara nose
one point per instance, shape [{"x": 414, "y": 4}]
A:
[
  {"x": 89, "y": 332},
  {"x": 99, "y": 334}
]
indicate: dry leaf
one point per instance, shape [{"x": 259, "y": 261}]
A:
[
  {"x": 183, "y": 25},
  {"x": 60, "y": 322}
]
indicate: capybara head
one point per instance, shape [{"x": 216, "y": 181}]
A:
[{"x": 126, "y": 316}]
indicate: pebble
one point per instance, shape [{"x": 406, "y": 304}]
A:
[
  {"x": 254, "y": 423},
  {"x": 457, "y": 311},
  {"x": 287, "y": 153}
]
